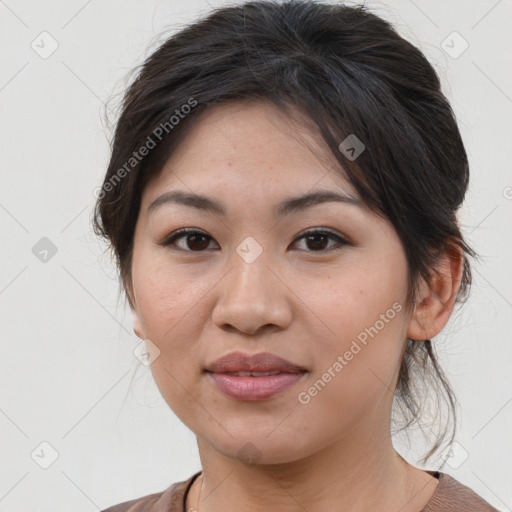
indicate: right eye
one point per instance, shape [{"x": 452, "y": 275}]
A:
[{"x": 193, "y": 240}]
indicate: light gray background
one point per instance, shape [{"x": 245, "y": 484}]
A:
[{"x": 68, "y": 373}]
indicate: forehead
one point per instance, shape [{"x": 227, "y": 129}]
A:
[{"x": 251, "y": 144}]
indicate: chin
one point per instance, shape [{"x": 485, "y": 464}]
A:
[{"x": 259, "y": 449}]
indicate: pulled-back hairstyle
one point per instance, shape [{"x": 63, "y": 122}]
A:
[{"x": 351, "y": 73}]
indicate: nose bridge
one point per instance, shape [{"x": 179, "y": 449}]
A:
[{"x": 250, "y": 274}]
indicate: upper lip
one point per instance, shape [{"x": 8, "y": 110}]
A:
[{"x": 262, "y": 362}]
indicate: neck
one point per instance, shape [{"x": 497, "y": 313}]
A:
[{"x": 345, "y": 475}]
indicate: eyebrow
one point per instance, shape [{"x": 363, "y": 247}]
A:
[{"x": 285, "y": 207}]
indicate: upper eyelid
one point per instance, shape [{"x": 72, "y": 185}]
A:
[{"x": 186, "y": 231}]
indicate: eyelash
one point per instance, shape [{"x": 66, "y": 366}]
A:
[{"x": 181, "y": 233}]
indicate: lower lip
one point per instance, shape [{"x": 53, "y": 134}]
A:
[{"x": 254, "y": 388}]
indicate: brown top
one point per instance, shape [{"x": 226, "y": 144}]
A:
[{"x": 449, "y": 496}]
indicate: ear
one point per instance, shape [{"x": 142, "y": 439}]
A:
[
  {"x": 436, "y": 300},
  {"x": 137, "y": 327}
]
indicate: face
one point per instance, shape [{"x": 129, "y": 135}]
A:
[{"x": 322, "y": 286}]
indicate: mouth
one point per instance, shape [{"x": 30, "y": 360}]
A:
[{"x": 253, "y": 377}]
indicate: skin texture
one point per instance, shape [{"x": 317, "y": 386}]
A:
[{"x": 304, "y": 301}]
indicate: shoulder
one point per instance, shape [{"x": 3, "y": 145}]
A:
[
  {"x": 145, "y": 503},
  {"x": 169, "y": 500},
  {"x": 453, "y": 496}
]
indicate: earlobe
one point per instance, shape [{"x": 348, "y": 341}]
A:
[
  {"x": 436, "y": 299},
  {"x": 136, "y": 325}
]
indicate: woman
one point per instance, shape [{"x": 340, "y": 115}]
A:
[{"x": 281, "y": 200}]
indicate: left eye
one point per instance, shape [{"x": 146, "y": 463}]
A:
[
  {"x": 318, "y": 238},
  {"x": 198, "y": 241}
]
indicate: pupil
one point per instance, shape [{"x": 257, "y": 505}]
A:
[
  {"x": 192, "y": 237},
  {"x": 315, "y": 237}
]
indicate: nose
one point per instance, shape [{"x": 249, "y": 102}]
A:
[{"x": 252, "y": 297}]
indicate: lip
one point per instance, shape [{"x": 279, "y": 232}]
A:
[
  {"x": 261, "y": 362},
  {"x": 253, "y": 388}
]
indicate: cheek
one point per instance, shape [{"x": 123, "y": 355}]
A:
[
  {"x": 345, "y": 302},
  {"x": 361, "y": 336},
  {"x": 355, "y": 374},
  {"x": 170, "y": 312},
  {"x": 168, "y": 298}
]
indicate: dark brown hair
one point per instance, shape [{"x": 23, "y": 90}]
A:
[{"x": 351, "y": 73}]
